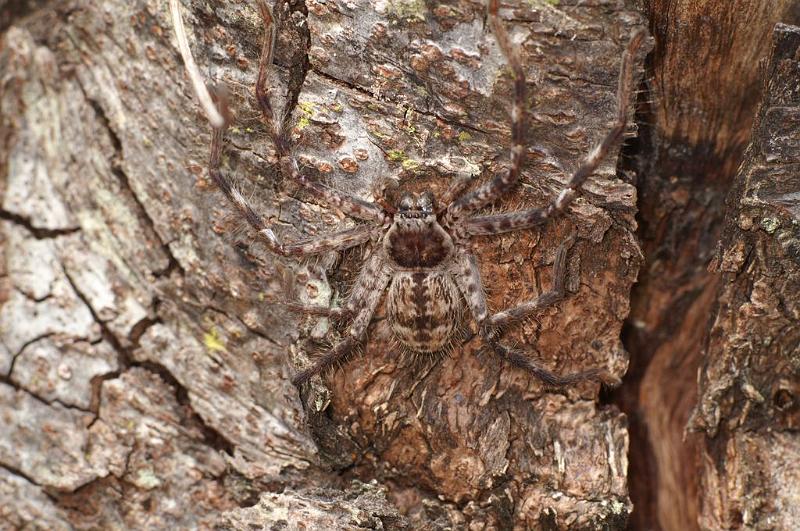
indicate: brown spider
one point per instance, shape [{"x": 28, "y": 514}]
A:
[{"x": 420, "y": 251}]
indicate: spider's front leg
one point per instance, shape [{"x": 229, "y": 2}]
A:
[
  {"x": 278, "y": 131},
  {"x": 469, "y": 282},
  {"x": 525, "y": 219},
  {"x": 504, "y": 181},
  {"x": 219, "y": 118},
  {"x": 462, "y": 181},
  {"x": 330, "y": 242}
]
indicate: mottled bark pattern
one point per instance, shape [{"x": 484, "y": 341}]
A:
[
  {"x": 469, "y": 429},
  {"x": 145, "y": 351}
]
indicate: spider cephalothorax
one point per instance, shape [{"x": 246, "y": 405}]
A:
[
  {"x": 419, "y": 252},
  {"x": 423, "y": 302},
  {"x": 416, "y": 241}
]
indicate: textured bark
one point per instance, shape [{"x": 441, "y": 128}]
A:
[
  {"x": 704, "y": 86},
  {"x": 748, "y": 406},
  {"x": 144, "y": 354},
  {"x": 145, "y": 359}
]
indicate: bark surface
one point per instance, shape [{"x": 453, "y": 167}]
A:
[
  {"x": 749, "y": 390},
  {"x": 145, "y": 351},
  {"x": 705, "y": 80},
  {"x": 145, "y": 354}
]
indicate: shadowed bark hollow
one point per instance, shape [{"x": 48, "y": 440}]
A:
[
  {"x": 705, "y": 82},
  {"x": 145, "y": 352},
  {"x": 749, "y": 402}
]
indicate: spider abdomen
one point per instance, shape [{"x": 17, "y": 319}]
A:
[{"x": 424, "y": 309}]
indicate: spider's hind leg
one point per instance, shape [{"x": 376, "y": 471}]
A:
[
  {"x": 318, "y": 311},
  {"x": 519, "y": 359},
  {"x": 502, "y": 319},
  {"x": 490, "y": 327}
]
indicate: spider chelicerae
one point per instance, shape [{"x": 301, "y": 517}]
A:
[{"x": 419, "y": 250}]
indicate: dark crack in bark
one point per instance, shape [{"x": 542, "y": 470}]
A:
[
  {"x": 119, "y": 173},
  {"x": 39, "y": 233}
]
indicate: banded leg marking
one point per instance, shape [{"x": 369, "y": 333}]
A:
[
  {"x": 469, "y": 282},
  {"x": 319, "y": 311},
  {"x": 332, "y": 242},
  {"x": 503, "y": 181},
  {"x": 504, "y": 318},
  {"x": 279, "y": 134},
  {"x": 357, "y": 329},
  {"x": 525, "y": 219}
]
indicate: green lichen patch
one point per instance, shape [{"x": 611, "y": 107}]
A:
[
  {"x": 539, "y": 3},
  {"x": 307, "y": 112},
  {"x": 410, "y": 165},
  {"x": 213, "y": 342},
  {"x": 407, "y": 10},
  {"x": 396, "y": 155},
  {"x": 770, "y": 225}
]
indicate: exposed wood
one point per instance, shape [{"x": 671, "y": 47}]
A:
[
  {"x": 749, "y": 403},
  {"x": 703, "y": 85}
]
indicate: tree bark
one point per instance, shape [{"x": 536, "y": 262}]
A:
[
  {"x": 145, "y": 354},
  {"x": 150, "y": 354},
  {"x": 705, "y": 84},
  {"x": 748, "y": 405}
]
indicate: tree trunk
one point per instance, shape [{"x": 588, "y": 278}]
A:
[
  {"x": 749, "y": 393},
  {"x": 705, "y": 86},
  {"x": 145, "y": 351}
]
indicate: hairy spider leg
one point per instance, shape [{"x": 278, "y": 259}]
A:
[
  {"x": 459, "y": 185},
  {"x": 468, "y": 279},
  {"x": 525, "y": 219},
  {"x": 335, "y": 241},
  {"x": 367, "y": 294},
  {"x": 503, "y": 181},
  {"x": 279, "y": 134},
  {"x": 337, "y": 314},
  {"x": 330, "y": 242},
  {"x": 502, "y": 319}
]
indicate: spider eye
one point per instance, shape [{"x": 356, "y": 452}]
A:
[
  {"x": 425, "y": 202},
  {"x": 406, "y": 202}
]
